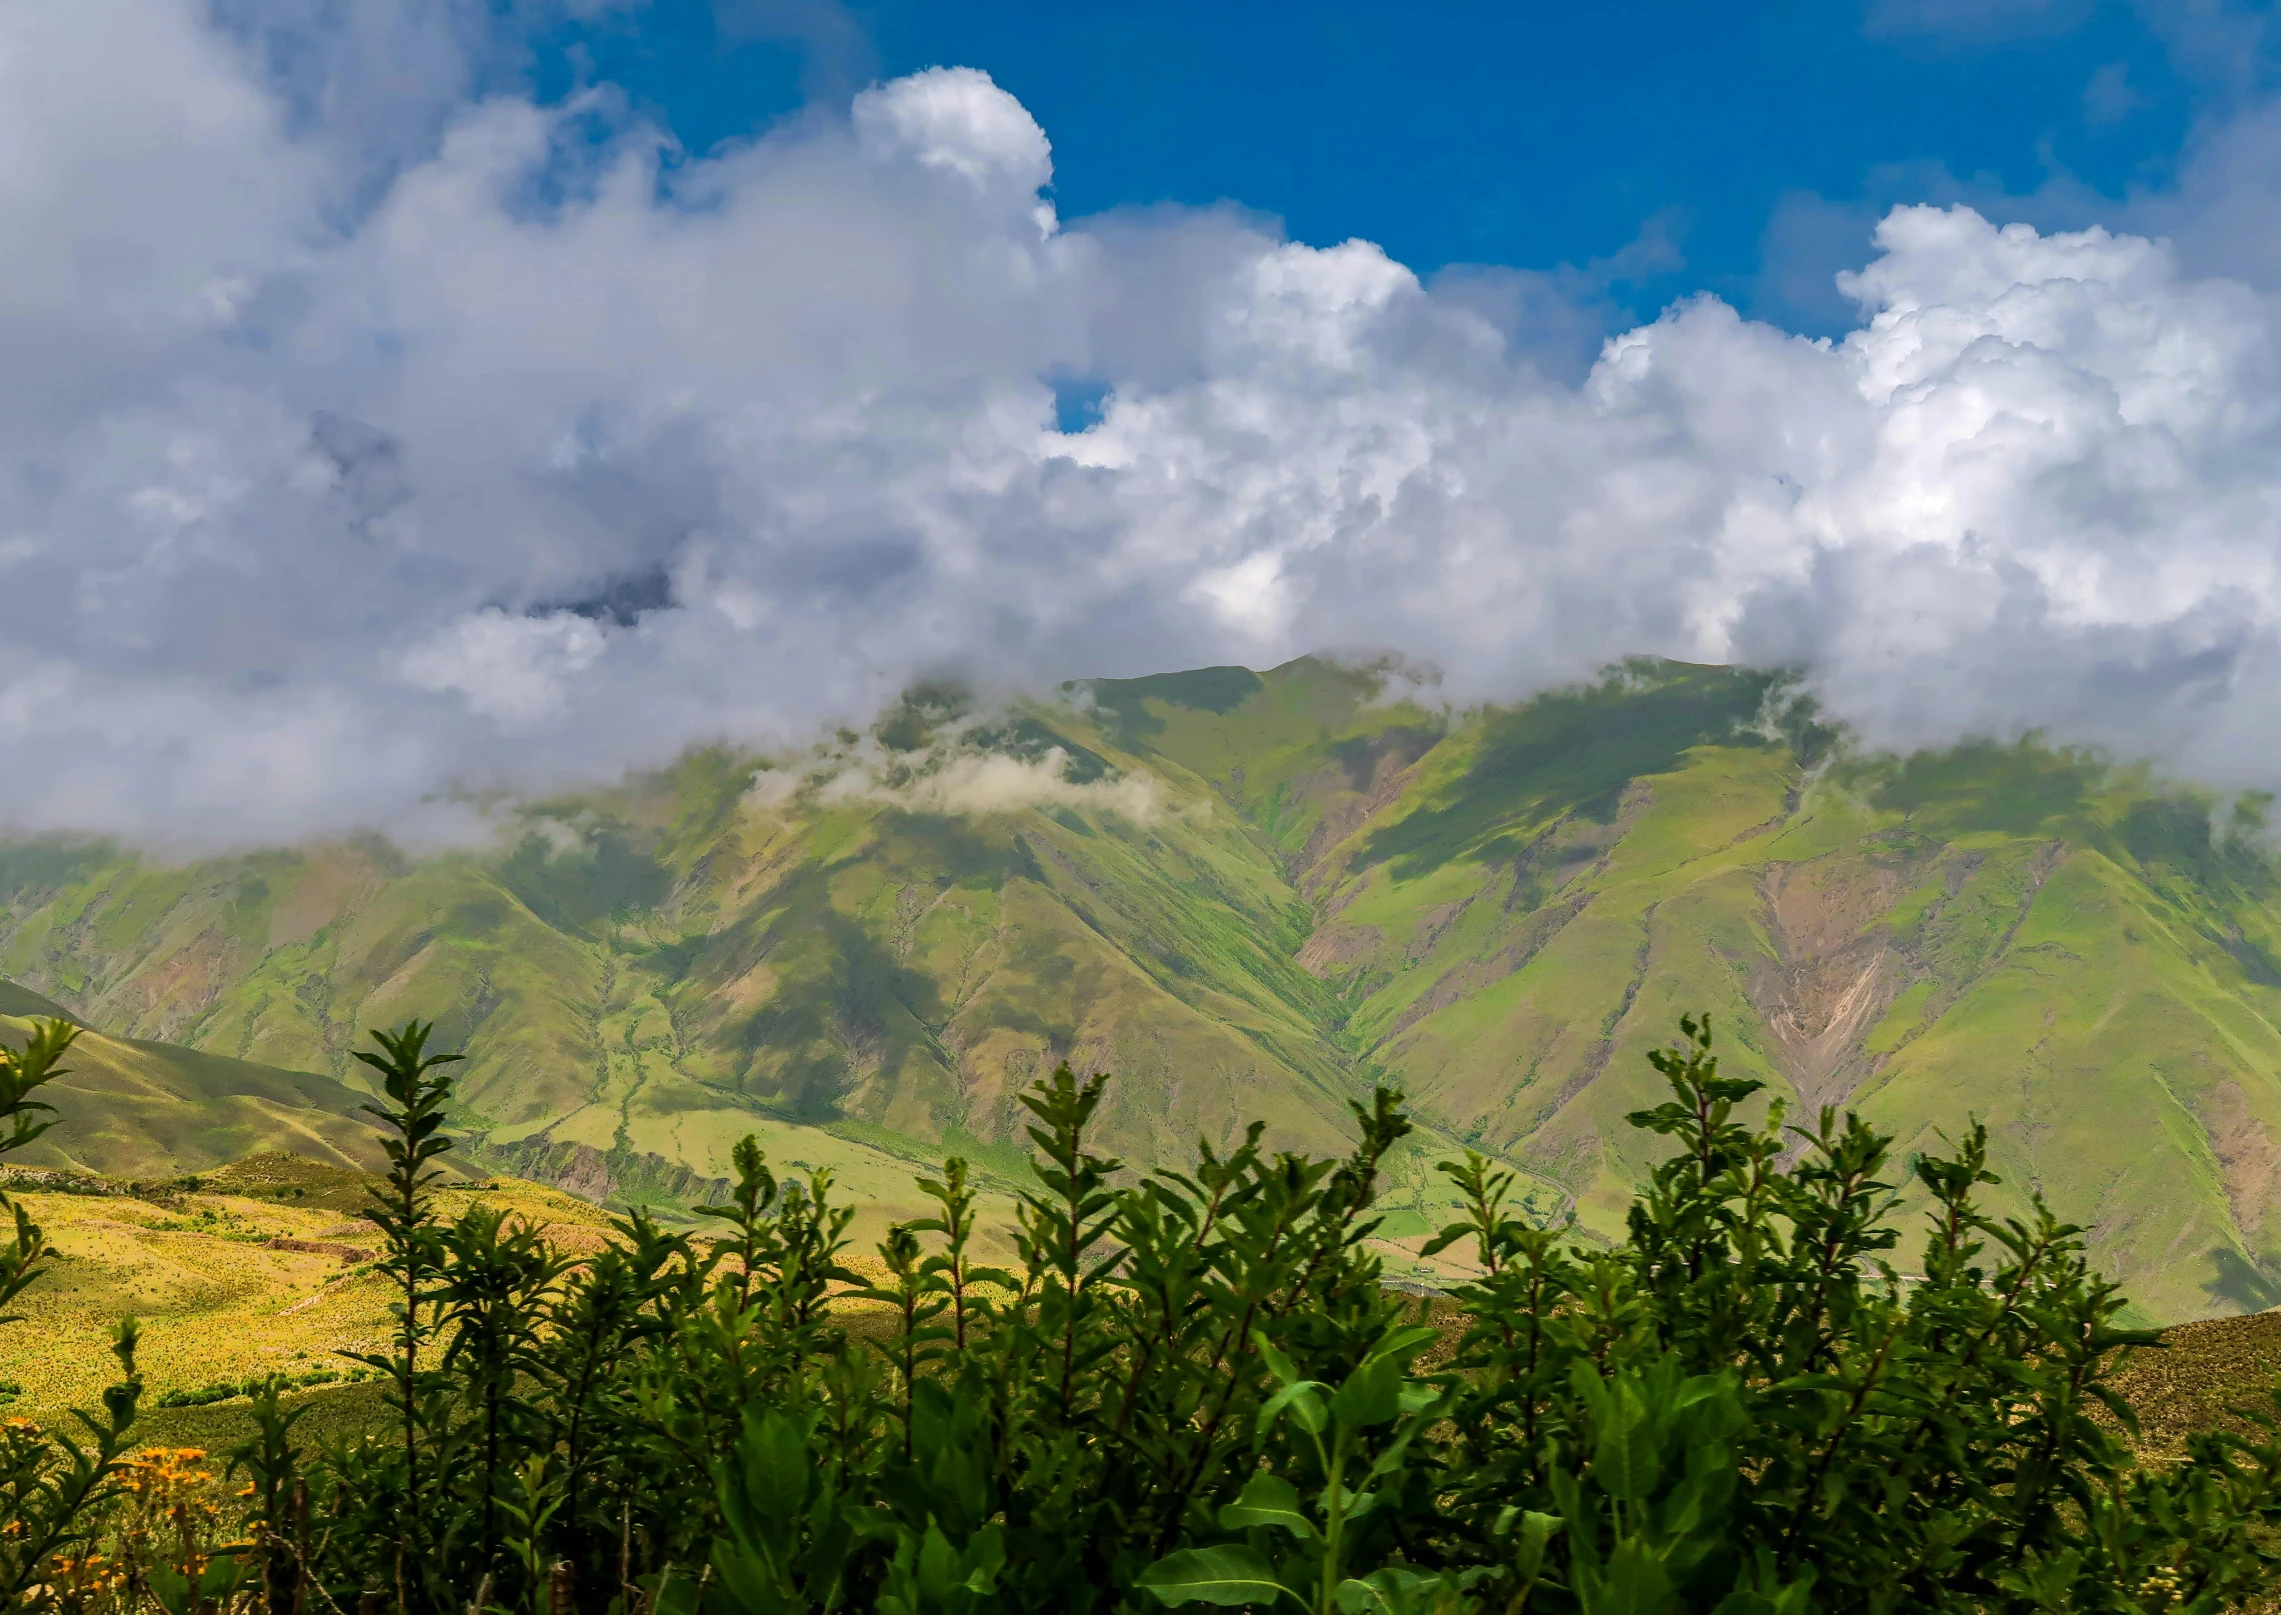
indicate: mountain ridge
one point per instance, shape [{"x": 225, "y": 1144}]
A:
[{"x": 1252, "y": 894}]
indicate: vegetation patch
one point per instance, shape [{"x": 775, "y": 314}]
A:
[
  {"x": 229, "y": 1391},
  {"x": 1186, "y": 1387}
]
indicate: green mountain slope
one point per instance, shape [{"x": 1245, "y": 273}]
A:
[
  {"x": 1516, "y": 910},
  {"x": 23, "y": 1003},
  {"x": 1251, "y": 895},
  {"x": 131, "y": 1108}
]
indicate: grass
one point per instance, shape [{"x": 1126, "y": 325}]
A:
[
  {"x": 294, "y": 1180},
  {"x": 215, "y": 1301},
  {"x": 2209, "y": 1375},
  {"x": 333, "y": 1411},
  {"x": 138, "y": 1108}
]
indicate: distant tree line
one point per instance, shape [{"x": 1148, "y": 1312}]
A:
[{"x": 1187, "y": 1387}]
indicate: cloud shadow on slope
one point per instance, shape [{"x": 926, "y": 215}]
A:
[
  {"x": 2238, "y": 1282},
  {"x": 1572, "y": 751},
  {"x": 2019, "y": 789}
]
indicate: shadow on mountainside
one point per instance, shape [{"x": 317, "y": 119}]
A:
[
  {"x": 2239, "y": 1283},
  {"x": 2017, "y": 790},
  {"x": 1572, "y": 751}
]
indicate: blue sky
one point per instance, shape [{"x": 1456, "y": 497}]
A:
[{"x": 1743, "y": 149}]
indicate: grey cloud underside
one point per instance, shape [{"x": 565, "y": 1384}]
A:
[{"x": 339, "y": 475}]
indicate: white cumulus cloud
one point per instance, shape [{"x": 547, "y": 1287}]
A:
[
  {"x": 372, "y": 440},
  {"x": 983, "y": 783}
]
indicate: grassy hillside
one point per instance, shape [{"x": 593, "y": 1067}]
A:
[
  {"x": 21, "y": 1003},
  {"x": 216, "y": 1299},
  {"x": 132, "y": 1108},
  {"x": 1515, "y": 908},
  {"x": 1250, "y": 895}
]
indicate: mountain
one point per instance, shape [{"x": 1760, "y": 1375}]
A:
[
  {"x": 1250, "y": 895},
  {"x": 134, "y": 1108}
]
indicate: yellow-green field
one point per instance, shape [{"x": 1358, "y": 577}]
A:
[
  {"x": 218, "y": 1302},
  {"x": 214, "y": 1300}
]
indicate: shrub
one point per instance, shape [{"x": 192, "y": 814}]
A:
[
  {"x": 201, "y": 1397},
  {"x": 230, "y": 1390},
  {"x": 1192, "y": 1387}
]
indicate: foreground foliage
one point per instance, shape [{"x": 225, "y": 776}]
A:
[{"x": 1191, "y": 1387}]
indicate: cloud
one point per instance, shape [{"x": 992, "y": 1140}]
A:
[
  {"x": 993, "y": 782},
  {"x": 511, "y": 669},
  {"x": 345, "y": 476}
]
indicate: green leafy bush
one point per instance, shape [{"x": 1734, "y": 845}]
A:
[
  {"x": 203, "y": 1396},
  {"x": 231, "y": 1390},
  {"x": 1191, "y": 1388}
]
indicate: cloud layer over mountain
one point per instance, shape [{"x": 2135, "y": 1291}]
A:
[{"x": 338, "y": 474}]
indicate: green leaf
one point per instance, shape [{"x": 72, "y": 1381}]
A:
[
  {"x": 669, "y": 1594},
  {"x": 180, "y": 1594},
  {"x": 985, "y": 1558},
  {"x": 1305, "y": 1401},
  {"x": 1536, "y": 1535},
  {"x": 1446, "y": 1238},
  {"x": 771, "y": 1470},
  {"x": 938, "y": 1563},
  {"x": 745, "y": 1583},
  {"x": 1624, "y": 1458},
  {"x": 1404, "y": 1344},
  {"x": 1394, "y": 1590},
  {"x": 1632, "y": 1582},
  {"x": 1372, "y": 1394},
  {"x": 1268, "y": 1501},
  {"x": 1418, "y": 1397},
  {"x": 1228, "y": 1575},
  {"x": 1277, "y": 1364}
]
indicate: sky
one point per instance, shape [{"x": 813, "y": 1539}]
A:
[
  {"x": 1668, "y": 148},
  {"x": 417, "y": 401}
]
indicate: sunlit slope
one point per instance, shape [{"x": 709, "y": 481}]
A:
[
  {"x": 659, "y": 970},
  {"x": 215, "y": 1299},
  {"x": 1517, "y": 911},
  {"x": 133, "y": 1109},
  {"x": 1250, "y": 895}
]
